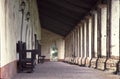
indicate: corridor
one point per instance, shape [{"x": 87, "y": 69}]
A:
[
  {"x": 81, "y": 32},
  {"x": 60, "y": 70}
]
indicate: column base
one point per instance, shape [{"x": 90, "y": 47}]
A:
[
  {"x": 80, "y": 61},
  {"x": 69, "y": 59},
  {"x": 101, "y": 64},
  {"x": 72, "y": 60},
  {"x": 118, "y": 68},
  {"x": 88, "y": 61},
  {"x": 83, "y": 61},
  {"x": 76, "y": 60},
  {"x": 111, "y": 64},
  {"x": 93, "y": 62},
  {"x": 66, "y": 59}
]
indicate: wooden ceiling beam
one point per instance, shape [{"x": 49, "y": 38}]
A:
[
  {"x": 67, "y": 6},
  {"x": 52, "y": 21},
  {"x": 58, "y": 16},
  {"x": 79, "y": 3},
  {"x": 55, "y": 30},
  {"x": 60, "y": 11},
  {"x": 57, "y": 19}
]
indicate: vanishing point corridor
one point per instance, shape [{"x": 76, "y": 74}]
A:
[
  {"x": 60, "y": 70},
  {"x": 59, "y": 39}
]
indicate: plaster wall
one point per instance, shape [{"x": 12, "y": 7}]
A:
[
  {"x": 13, "y": 30},
  {"x": 10, "y": 24}
]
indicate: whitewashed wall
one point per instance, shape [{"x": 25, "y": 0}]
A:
[
  {"x": 10, "y": 27},
  {"x": 2, "y": 23}
]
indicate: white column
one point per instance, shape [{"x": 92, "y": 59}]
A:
[
  {"x": 81, "y": 40},
  {"x": 78, "y": 41},
  {"x": 3, "y": 34},
  {"x": 90, "y": 36},
  {"x": 115, "y": 28},
  {"x": 0, "y": 46},
  {"x": 76, "y": 47},
  {"x": 85, "y": 25},
  {"x": 103, "y": 30},
  {"x": 73, "y": 41},
  {"x": 95, "y": 36}
]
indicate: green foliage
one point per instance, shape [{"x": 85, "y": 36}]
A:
[{"x": 55, "y": 54}]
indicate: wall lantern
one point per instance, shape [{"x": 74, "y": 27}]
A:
[
  {"x": 22, "y": 6},
  {"x": 27, "y": 16}
]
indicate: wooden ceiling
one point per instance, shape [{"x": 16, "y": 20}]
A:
[{"x": 61, "y": 16}]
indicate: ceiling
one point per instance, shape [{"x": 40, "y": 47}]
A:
[{"x": 61, "y": 16}]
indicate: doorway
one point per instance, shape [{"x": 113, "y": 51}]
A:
[{"x": 54, "y": 53}]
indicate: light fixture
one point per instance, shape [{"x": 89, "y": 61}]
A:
[
  {"x": 27, "y": 16},
  {"x": 22, "y": 6}
]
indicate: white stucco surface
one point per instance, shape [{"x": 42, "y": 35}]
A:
[
  {"x": 103, "y": 30},
  {"x": 115, "y": 28},
  {"x": 10, "y": 28}
]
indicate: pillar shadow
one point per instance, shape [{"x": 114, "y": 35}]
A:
[
  {"x": 81, "y": 61},
  {"x": 82, "y": 65},
  {"x": 90, "y": 62},
  {"x": 117, "y": 70},
  {"x": 105, "y": 64},
  {"x": 85, "y": 61},
  {"x": 96, "y": 63}
]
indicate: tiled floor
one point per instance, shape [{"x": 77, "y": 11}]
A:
[{"x": 59, "y": 70}]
